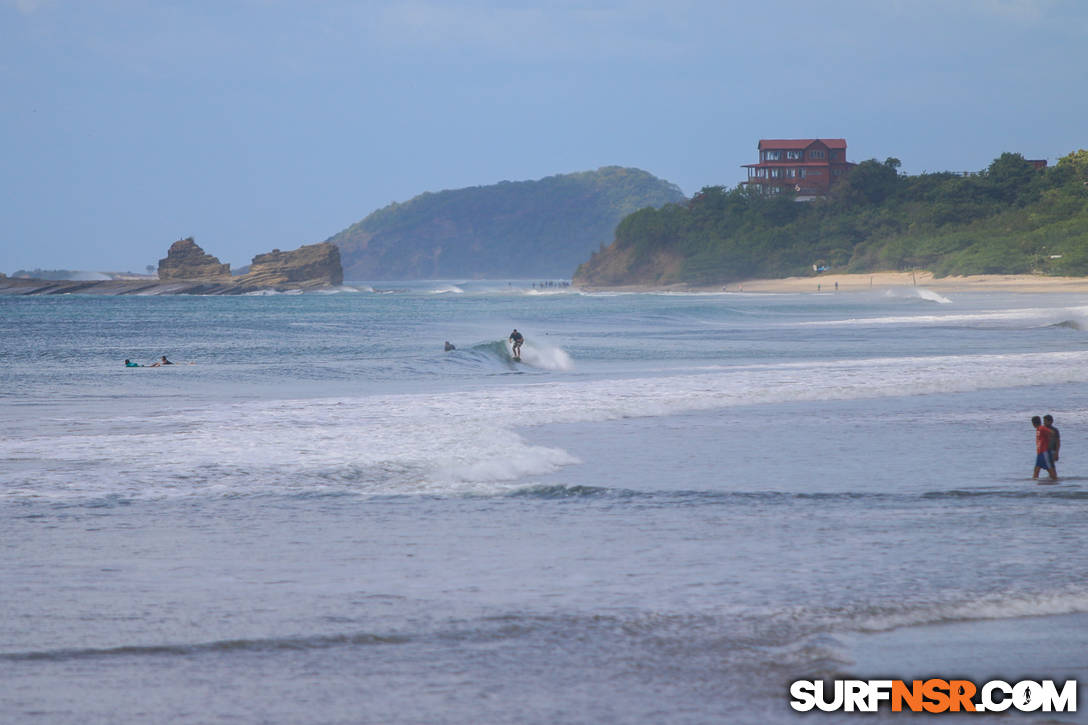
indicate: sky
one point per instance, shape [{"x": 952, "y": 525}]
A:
[{"x": 258, "y": 124}]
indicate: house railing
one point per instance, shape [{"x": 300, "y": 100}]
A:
[{"x": 953, "y": 173}]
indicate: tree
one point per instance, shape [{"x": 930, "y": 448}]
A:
[
  {"x": 1078, "y": 161},
  {"x": 872, "y": 181},
  {"x": 1009, "y": 175}
]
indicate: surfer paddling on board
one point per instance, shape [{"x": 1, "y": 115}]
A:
[{"x": 516, "y": 338}]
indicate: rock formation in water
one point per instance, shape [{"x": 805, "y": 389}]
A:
[
  {"x": 310, "y": 266},
  {"x": 187, "y": 261},
  {"x": 187, "y": 270}
]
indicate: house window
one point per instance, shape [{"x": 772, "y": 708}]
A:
[
  {"x": 815, "y": 172},
  {"x": 791, "y": 173},
  {"x": 793, "y": 155},
  {"x": 836, "y": 172},
  {"x": 772, "y": 155},
  {"x": 816, "y": 154},
  {"x": 834, "y": 156},
  {"x": 775, "y": 173},
  {"x": 803, "y": 173}
]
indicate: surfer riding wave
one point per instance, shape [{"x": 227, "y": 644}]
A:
[{"x": 517, "y": 339}]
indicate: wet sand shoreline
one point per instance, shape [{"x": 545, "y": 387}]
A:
[{"x": 1026, "y": 283}]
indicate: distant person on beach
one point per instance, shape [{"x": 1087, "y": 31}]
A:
[
  {"x": 450, "y": 346},
  {"x": 1055, "y": 437},
  {"x": 161, "y": 362},
  {"x": 1042, "y": 449},
  {"x": 517, "y": 339},
  {"x": 130, "y": 364}
]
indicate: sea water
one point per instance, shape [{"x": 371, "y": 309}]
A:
[{"x": 670, "y": 508}]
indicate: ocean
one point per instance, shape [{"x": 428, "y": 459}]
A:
[{"x": 672, "y": 507}]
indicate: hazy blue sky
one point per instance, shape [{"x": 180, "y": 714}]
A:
[{"x": 254, "y": 124}]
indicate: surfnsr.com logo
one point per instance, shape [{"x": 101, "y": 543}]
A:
[{"x": 933, "y": 695}]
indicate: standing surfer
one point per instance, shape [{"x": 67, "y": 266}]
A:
[{"x": 517, "y": 339}]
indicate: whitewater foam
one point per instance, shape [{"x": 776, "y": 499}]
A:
[
  {"x": 547, "y": 357},
  {"x": 986, "y": 607},
  {"x": 921, "y": 293},
  {"x": 446, "y": 289},
  {"x": 1033, "y": 316},
  {"x": 446, "y": 442}
]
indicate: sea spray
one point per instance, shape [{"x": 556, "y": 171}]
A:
[
  {"x": 547, "y": 357},
  {"x": 921, "y": 293}
]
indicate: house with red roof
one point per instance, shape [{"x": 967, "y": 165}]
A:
[{"x": 806, "y": 167}]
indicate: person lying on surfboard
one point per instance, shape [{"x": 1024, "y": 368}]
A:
[{"x": 517, "y": 339}]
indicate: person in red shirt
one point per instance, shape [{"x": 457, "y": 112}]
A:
[
  {"x": 1042, "y": 449},
  {"x": 1055, "y": 437}
]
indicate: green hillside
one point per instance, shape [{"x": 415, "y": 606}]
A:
[
  {"x": 542, "y": 228},
  {"x": 1009, "y": 218}
]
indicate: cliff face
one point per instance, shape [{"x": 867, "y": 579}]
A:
[
  {"x": 187, "y": 261},
  {"x": 309, "y": 266},
  {"x": 618, "y": 268}
]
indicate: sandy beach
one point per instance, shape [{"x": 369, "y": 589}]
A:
[{"x": 1027, "y": 283}]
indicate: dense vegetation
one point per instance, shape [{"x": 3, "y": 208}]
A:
[
  {"x": 521, "y": 229},
  {"x": 1009, "y": 218},
  {"x": 58, "y": 274}
]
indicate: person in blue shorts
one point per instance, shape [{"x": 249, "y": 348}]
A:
[
  {"x": 1042, "y": 449},
  {"x": 1055, "y": 438}
]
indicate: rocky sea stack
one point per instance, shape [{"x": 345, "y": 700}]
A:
[
  {"x": 188, "y": 270},
  {"x": 185, "y": 260},
  {"x": 309, "y": 266}
]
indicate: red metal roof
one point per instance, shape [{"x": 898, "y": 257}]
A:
[{"x": 800, "y": 143}]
